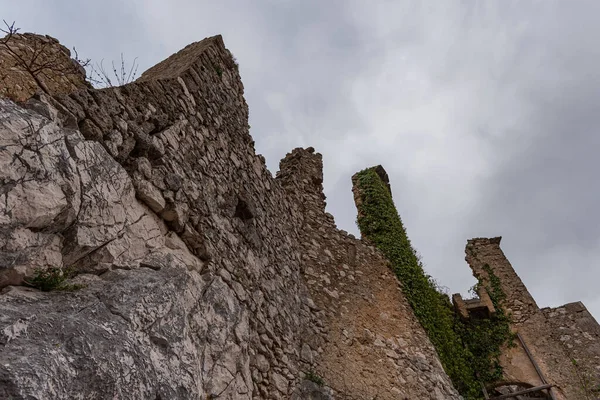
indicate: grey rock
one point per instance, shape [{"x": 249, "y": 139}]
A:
[
  {"x": 309, "y": 390},
  {"x": 129, "y": 335},
  {"x": 306, "y": 353}
]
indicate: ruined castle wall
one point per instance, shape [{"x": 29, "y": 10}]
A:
[
  {"x": 578, "y": 331},
  {"x": 519, "y": 301},
  {"x": 206, "y": 277},
  {"x": 370, "y": 344},
  {"x": 184, "y": 151},
  {"x": 543, "y": 331}
]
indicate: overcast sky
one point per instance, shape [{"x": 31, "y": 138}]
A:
[{"x": 484, "y": 114}]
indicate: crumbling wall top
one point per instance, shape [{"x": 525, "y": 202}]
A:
[
  {"x": 301, "y": 173},
  {"x": 485, "y": 256},
  {"x": 484, "y": 241},
  {"x": 381, "y": 172},
  {"x": 184, "y": 59}
]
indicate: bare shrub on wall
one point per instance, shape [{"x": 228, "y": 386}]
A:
[
  {"x": 39, "y": 59},
  {"x": 42, "y": 59},
  {"x": 101, "y": 78}
]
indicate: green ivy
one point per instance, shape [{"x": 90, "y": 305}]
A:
[
  {"x": 313, "y": 377},
  {"x": 485, "y": 337},
  {"x": 218, "y": 70},
  {"x": 468, "y": 350}
]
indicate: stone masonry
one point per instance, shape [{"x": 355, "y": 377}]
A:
[
  {"x": 30, "y": 62},
  {"x": 371, "y": 346},
  {"x": 576, "y": 329},
  {"x": 205, "y": 277}
]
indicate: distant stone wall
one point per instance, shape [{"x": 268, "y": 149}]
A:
[
  {"x": 206, "y": 277},
  {"x": 519, "y": 302},
  {"x": 579, "y": 332},
  {"x": 555, "y": 337}
]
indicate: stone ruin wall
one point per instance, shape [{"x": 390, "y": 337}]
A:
[
  {"x": 556, "y": 337},
  {"x": 61, "y": 75},
  {"x": 577, "y": 330},
  {"x": 373, "y": 345},
  {"x": 206, "y": 277}
]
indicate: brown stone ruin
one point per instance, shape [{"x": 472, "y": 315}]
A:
[
  {"x": 479, "y": 307},
  {"x": 556, "y": 348},
  {"x": 205, "y": 276}
]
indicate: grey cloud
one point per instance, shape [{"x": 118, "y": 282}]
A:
[
  {"x": 541, "y": 195},
  {"x": 483, "y": 114},
  {"x": 100, "y": 30}
]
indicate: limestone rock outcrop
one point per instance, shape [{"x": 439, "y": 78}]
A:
[{"x": 200, "y": 275}]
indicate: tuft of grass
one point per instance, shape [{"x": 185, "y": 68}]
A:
[
  {"x": 313, "y": 377},
  {"x": 53, "y": 279}
]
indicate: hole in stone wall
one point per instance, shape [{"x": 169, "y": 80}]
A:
[{"x": 243, "y": 211}]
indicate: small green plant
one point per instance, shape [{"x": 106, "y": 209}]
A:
[
  {"x": 218, "y": 70},
  {"x": 49, "y": 279},
  {"x": 313, "y": 377}
]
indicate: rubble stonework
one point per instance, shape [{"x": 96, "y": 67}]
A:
[
  {"x": 205, "y": 277},
  {"x": 368, "y": 340},
  {"x": 563, "y": 341},
  {"x": 30, "y": 62},
  {"x": 577, "y": 330}
]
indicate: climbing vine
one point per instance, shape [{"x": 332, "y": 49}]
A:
[
  {"x": 484, "y": 337},
  {"x": 468, "y": 350}
]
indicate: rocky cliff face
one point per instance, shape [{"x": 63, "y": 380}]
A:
[{"x": 200, "y": 275}]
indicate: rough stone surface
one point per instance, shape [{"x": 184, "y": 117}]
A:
[
  {"x": 369, "y": 343},
  {"x": 577, "y": 330},
  {"x": 205, "y": 276},
  {"x": 49, "y": 67}
]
